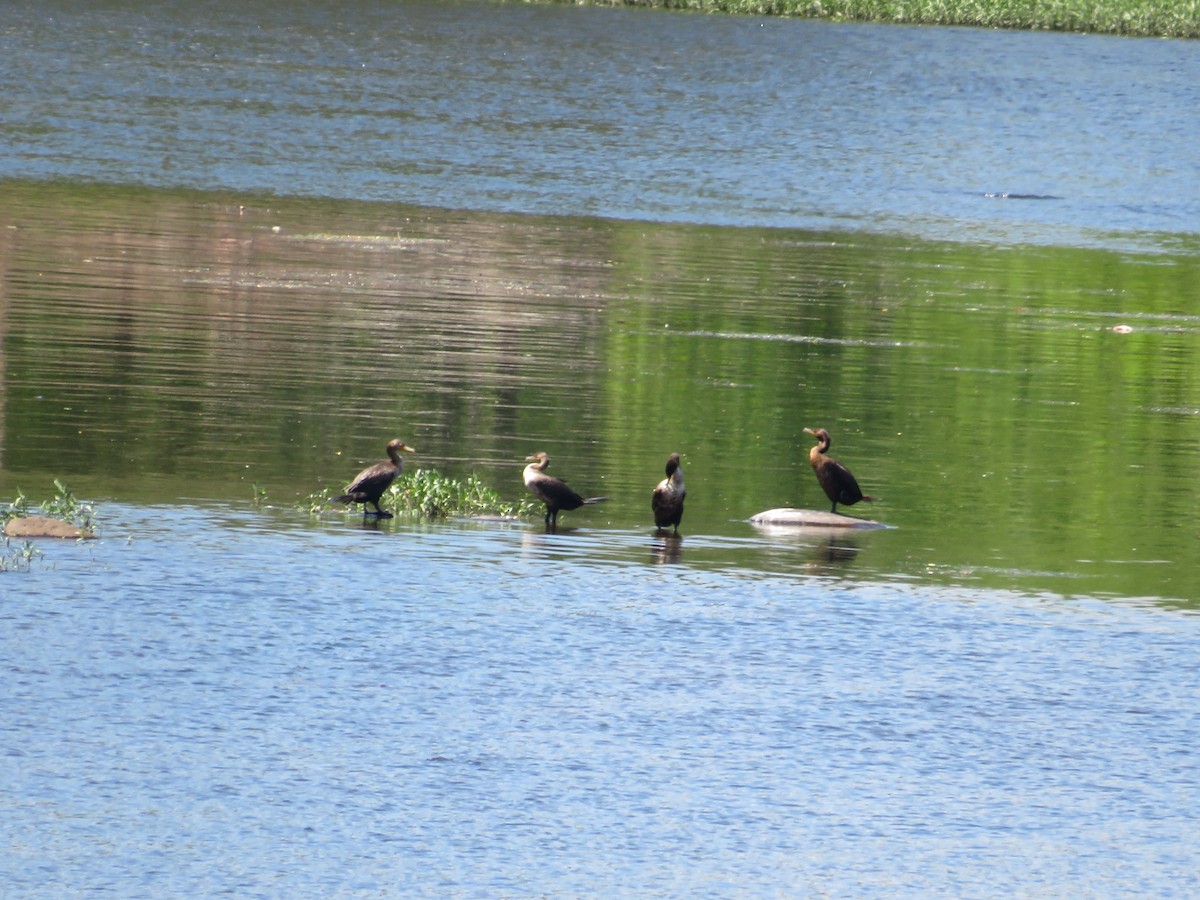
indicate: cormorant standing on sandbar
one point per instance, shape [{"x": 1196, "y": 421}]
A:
[
  {"x": 372, "y": 481},
  {"x": 550, "y": 490},
  {"x": 667, "y": 500}
]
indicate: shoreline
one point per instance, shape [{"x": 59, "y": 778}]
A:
[{"x": 1128, "y": 18}]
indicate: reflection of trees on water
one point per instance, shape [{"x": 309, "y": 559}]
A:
[{"x": 169, "y": 331}]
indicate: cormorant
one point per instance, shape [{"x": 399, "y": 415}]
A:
[
  {"x": 372, "y": 481},
  {"x": 550, "y": 490},
  {"x": 667, "y": 500},
  {"x": 839, "y": 485}
]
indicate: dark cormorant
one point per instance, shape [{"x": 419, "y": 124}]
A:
[
  {"x": 550, "y": 490},
  {"x": 372, "y": 481},
  {"x": 667, "y": 500},
  {"x": 839, "y": 485}
]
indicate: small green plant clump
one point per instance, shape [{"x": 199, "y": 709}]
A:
[
  {"x": 432, "y": 495},
  {"x": 427, "y": 494},
  {"x": 260, "y": 494},
  {"x": 66, "y": 506},
  {"x": 19, "y": 557}
]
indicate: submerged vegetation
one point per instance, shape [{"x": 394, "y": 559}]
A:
[
  {"x": 1147, "y": 18},
  {"x": 427, "y": 494}
]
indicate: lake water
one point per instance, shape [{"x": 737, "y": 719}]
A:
[{"x": 240, "y": 250}]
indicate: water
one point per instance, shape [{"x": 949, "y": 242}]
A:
[
  {"x": 235, "y": 259},
  {"x": 735, "y": 121},
  {"x": 326, "y": 714}
]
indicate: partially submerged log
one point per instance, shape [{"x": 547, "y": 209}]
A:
[
  {"x": 42, "y": 527},
  {"x": 811, "y": 518}
]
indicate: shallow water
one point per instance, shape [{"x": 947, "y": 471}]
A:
[
  {"x": 479, "y": 711},
  {"x": 993, "y": 696},
  {"x": 164, "y": 347}
]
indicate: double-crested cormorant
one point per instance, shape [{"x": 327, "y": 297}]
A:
[
  {"x": 550, "y": 490},
  {"x": 372, "y": 481},
  {"x": 667, "y": 500},
  {"x": 839, "y": 485}
]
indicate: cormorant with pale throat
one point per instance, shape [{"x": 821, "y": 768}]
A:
[
  {"x": 839, "y": 485},
  {"x": 667, "y": 500},
  {"x": 372, "y": 481},
  {"x": 552, "y": 491}
]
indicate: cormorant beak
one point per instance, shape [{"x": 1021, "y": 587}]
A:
[
  {"x": 408, "y": 448},
  {"x": 809, "y": 431}
]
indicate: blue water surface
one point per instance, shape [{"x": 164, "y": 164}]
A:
[
  {"x": 949, "y": 133},
  {"x": 216, "y": 700},
  {"x": 455, "y": 711}
]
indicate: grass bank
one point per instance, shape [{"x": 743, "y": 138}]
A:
[{"x": 1147, "y": 18}]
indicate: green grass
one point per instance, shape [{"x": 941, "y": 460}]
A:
[
  {"x": 427, "y": 494},
  {"x": 1149, "y": 18}
]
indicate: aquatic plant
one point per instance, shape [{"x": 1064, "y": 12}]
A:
[
  {"x": 19, "y": 507},
  {"x": 17, "y": 558},
  {"x": 318, "y": 501},
  {"x": 432, "y": 495},
  {"x": 66, "y": 506},
  {"x": 260, "y": 494},
  {"x": 428, "y": 494}
]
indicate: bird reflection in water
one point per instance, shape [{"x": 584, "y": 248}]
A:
[
  {"x": 666, "y": 548},
  {"x": 837, "y": 549}
]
